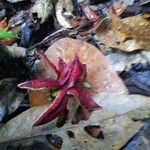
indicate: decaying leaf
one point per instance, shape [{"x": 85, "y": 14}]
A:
[
  {"x": 4, "y": 26},
  {"x": 100, "y": 75},
  {"x": 64, "y": 11},
  {"x": 88, "y": 23},
  {"x": 84, "y": 25},
  {"x": 115, "y": 120},
  {"x": 10, "y": 97},
  {"x": 121, "y": 60},
  {"x": 137, "y": 79},
  {"x": 128, "y": 34},
  {"x": 11, "y": 60},
  {"x": 42, "y": 8},
  {"x": 15, "y": 51}
]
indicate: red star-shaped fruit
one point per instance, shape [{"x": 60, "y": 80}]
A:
[{"x": 68, "y": 82}]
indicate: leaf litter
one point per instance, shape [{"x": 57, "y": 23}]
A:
[{"x": 116, "y": 69}]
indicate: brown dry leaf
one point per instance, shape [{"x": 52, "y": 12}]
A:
[
  {"x": 93, "y": 18},
  {"x": 90, "y": 14},
  {"x": 88, "y": 23},
  {"x": 146, "y": 15},
  {"x": 119, "y": 7},
  {"x": 7, "y": 41},
  {"x": 4, "y": 25},
  {"x": 127, "y": 34},
  {"x": 100, "y": 75}
]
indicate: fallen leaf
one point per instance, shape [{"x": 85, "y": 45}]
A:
[
  {"x": 146, "y": 15},
  {"x": 4, "y": 26},
  {"x": 121, "y": 60},
  {"x": 137, "y": 79},
  {"x": 16, "y": 51},
  {"x": 88, "y": 23},
  {"x": 100, "y": 74},
  {"x": 128, "y": 34},
  {"x": 11, "y": 60},
  {"x": 101, "y": 77},
  {"x": 42, "y": 8},
  {"x": 120, "y": 6},
  {"x": 115, "y": 120},
  {"x": 10, "y": 97},
  {"x": 64, "y": 11},
  {"x": 6, "y": 35}
]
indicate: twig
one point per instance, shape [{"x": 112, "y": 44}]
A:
[{"x": 51, "y": 38}]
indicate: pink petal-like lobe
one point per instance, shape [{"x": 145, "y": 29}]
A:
[
  {"x": 56, "y": 108},
  {"x": 76, "y": 74},
  {"x": 84, "y": 98},
  {"x": 61, "y": 65},
  {"x": 65, "y": 74},
  {"x": 39, "y": 84},
  {"x": 48, "y": 62}
]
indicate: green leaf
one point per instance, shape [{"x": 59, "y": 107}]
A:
[{"x": 5, "y": 35}]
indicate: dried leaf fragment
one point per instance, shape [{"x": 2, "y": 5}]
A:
[
  {"x": 128, "y": 34},
  {"x": 88, "y": 23},
  {"x": 4, "y": 26},
  {"x": 100, "y": 74},
  {"x": 135, "y": 27}
]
